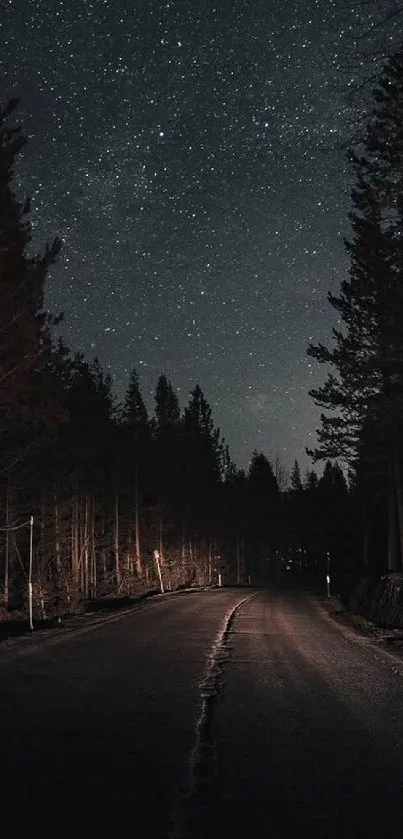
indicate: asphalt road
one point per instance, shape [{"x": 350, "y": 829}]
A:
[{"x": 229, "y": 713}]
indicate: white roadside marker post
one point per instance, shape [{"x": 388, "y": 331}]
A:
[
  {"x": 157, "y": 560},
  {"x": 328, "y": 574},
  {"x": 31, "y": 545}
]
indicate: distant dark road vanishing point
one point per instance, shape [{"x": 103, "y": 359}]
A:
[{"x": 227, "y": 713}]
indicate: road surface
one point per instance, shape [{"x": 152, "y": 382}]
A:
[{"x": 228, "y": 713}]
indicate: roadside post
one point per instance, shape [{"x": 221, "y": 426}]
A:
[
  {"x": 157, "y": 560},
  {"x": 328, "y": 574},
  {"x": 31, "y": 552}
]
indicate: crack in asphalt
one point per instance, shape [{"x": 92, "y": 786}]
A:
[{"x": 191, "y": 813}]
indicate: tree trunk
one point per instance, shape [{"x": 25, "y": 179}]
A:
[
  {"x": 74, "y": 539},
  {"x": 93, "y": 553},
  {"x": 137, "y": 524},
  {"x": 366, "y": 544},
  {"x": 366, "y": 534},
  {"x": 117, "y": 557},
  {"x": 238, "y": 561},
  {"x": 183, "y": 545},
  {"x": 161, "y": 546},
  {"x": 57, "y": 535},
  {"x": 103, "y": 557},
  {"x": 7, "y": 553},
  {"x": 43, "y": 553},
  {"x": 391, "y": 521},
  {"x": 86, "y": 549},
  {"x": 398, "y": 486}
]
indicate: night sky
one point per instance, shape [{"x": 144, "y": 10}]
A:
[{"x": 189, "y": 155}]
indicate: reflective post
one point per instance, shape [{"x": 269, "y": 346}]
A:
[
  {"x": 328, "y": 574},
  {"x": 157, "y": 560},
  {"x": 31, "y": 546}
]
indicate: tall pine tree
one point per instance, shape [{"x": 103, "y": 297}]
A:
[
  {"x": 167, "y": 410},
  {"x": 23, "y": 322},
  {"x": 136, "y": 465},
  {"x": 134, "y": 414},
  {"x": 365, "y": 393},
  {"x": 202, "y": 458}
]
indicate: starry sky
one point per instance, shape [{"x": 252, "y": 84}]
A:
[{"x": 191, "y": 156}]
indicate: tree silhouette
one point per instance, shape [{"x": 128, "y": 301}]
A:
[
  {"x": 24, "y": 325},
  {"x": 365, "y": 394}
]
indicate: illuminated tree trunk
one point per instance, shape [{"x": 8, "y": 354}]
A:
[
  {"x": 7, "y": 553},
  {"x": 86, "y": 548},
  {"x": 210, "y": 563},
  {"x": 183, "y": 543},
  {"x": 57, "y": 533},
  {"x": 93, "y": 552},
  {"x": 75, "y": 540},
  {"x": 103, "y": 554},
  {"x": 137, "y": 524},
  {"x": 118, "y": 575},
  {"x": 161, "y": 545}
]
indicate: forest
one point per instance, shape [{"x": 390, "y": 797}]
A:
[{"x": 98, "y": 499}]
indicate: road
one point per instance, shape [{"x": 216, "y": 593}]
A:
[{"x": 229, "y": 713}]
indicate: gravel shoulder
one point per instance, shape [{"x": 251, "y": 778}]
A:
[{"x": 390, "y": 640}]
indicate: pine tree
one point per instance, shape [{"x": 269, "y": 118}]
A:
[
  {"x": 202, "y": 455},
  {"x": 333, "y": 479},
  {"x": 24, "y": 325},
  {"x": 365, "y": 394},
  {"x": 136, "y": 462},
  {"x": 261, "y": 474},
  {"x": 334, "y": 515},
  {"x": 167, "y": 410},
  {"x": 234, "y": 520},
  {"x": 134, "y": 414},
  {"x": 368, "y": 351},
  {"x": 203, "y": 437},
  {"x": 88, "y": 439},
  {"x": 294, "y": 521},
  {"x": 263, "y": 500},
  {"x": 23, "y": 322},
  {"x": 167, "y": 463},
  {"x": 311, "y": 480},
  {"x": 296, "y": 483}
]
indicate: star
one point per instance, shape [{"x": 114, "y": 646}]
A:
[{"x": 193, "y": 163}]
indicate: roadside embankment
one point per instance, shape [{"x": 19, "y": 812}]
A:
[{"x": 378, "y": 599}]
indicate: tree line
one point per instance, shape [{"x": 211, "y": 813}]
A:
[
  {"x": 116, "y": 495},
  {"x": 97, "y": 496}
]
